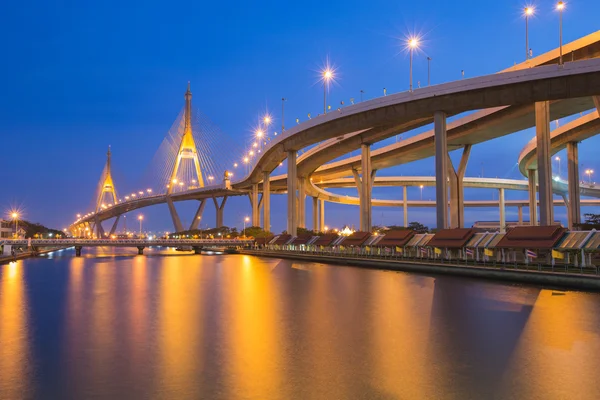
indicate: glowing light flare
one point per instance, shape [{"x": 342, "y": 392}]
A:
[
  {"x": 528, "y": 10},
  {"x": 560, "y": 5}
]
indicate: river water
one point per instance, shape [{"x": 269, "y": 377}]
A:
[{"x": 114, "y": 325}]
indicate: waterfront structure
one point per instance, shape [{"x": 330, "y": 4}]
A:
[
  {"x": 526, "y": 95},
  {"x": 6, "y": 229}
]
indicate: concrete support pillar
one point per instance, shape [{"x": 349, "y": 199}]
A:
[
  {"x": 78, "y": 251},
  {"x": 542, "y": 132},
  {"x": 302, "y": 202},
  {"x": 255, "y": 205},
  {"x": 98, "y": 228},
  {"x": 219, "y": 209},
  {"x": 359, "y": 189},
  {"x": 266, "y": 200},
  {"x": 114, "y": 226},
  {"x": 457, "y": 196},
  {"x": 531, "y": 174},
  {"x": 502, "y": 206},
  {"x": 574, "y": 214},
  {"x": 177, "y": 225},
  {"x": 441, "y": 169},
  {"x": 315, "y": 214},
  {"x": 366, "y": 188},
  {"x": 321, "y": 215},
  {"x": 292, "y": 181},
  {"x": 140, "y": 250},
  {"x": 520, "y": 215},
  {"x": 405, "y": 205},
  {"x": 198, "y": 215}
]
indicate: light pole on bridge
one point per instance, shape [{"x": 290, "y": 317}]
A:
[
  {"x": 413, "y": 43},
  {"x": 327, "y": 76},
  {"x": 527, "y": 12},
  {"x": 560, "y": 7},
  {"x": 140, "y": 218},
  {"x": 428, "y": 71},
  {"x": 283, "y": 100}
]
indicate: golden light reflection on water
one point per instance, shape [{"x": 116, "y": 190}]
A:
[
  {"x": 15, "y": 367},
  {"x": 253, "y": 333},
  {"x": 398, "y": 336},
  {"x": 228, "y": 327},
  {"x": 179, "y": 325}
]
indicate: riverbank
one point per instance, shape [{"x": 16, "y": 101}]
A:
[
  {"x": 28, "y": 254},
  {"x": 506, "y": 274}
]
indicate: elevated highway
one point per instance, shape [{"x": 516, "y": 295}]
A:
[{"x": 507, "y": 99}]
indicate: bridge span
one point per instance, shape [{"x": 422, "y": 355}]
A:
[
  {"x": 195, "y": 244},
  {"x": 523, "y": 96}
]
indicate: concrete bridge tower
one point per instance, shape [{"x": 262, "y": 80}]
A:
[
  {"x": 187, "y": 150},
  {"x": 187, "y": 147}
]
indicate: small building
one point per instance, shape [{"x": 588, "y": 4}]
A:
[{"x": 6, "y": 229}]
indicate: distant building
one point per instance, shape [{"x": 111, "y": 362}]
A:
[{"x": 6, "y": 229}]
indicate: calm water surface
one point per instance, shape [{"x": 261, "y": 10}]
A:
[{"x": 113, "y": 325}]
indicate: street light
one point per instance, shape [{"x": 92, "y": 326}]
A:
[
  {"x": 589, "y": 173},
  {"x": 421, "y": 187},
  {"x": 560, "y": 7},
  {"x": 413, "y": 43},
  {"x": 246, "y": 219},
  {"x": 140, "y": 218},
  {"x": 283, "y": 100},
  {"x": 557, "y": 158},
  {"x": 15, "y": 217},
  {"x": 327, "y": 76},
  {"x": 428, "y": 71},
  {"x": 527, "y": 12}
]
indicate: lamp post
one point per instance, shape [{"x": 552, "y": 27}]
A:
[
  {"x": 528, "y": 11},
  {"x": 15, "y": 217},
  {"x": 560, "y": 7},
  {"x": 421, "y": 187},
  {"x": 428, "y": 71},
  {"x": 589, "y": 173},
  {"x": 413, "y": 43},
  {"x": 140, "y": 218},
  {"x": 283, "y": 100},
  {"x": 246, "y": 219},
  {"x": 327, "y": 76},
  {"x": 557, "y": 158}
]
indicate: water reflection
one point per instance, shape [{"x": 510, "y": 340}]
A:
[
  {"x": 238, "y": 327},
  {"x": 15, "y": 363}
]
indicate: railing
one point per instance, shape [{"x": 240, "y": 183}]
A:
[
  {"x": 132, "y": 242},
  {"x": 416, "y": 255}
]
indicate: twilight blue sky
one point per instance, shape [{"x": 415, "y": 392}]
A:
[{"x": 78, "y": 76}]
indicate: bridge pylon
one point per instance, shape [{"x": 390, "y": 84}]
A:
[
  {"x": 107, "y": 187},
  {"x": 187, "y": 147},
  {"x": 187, "y": 150}
]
